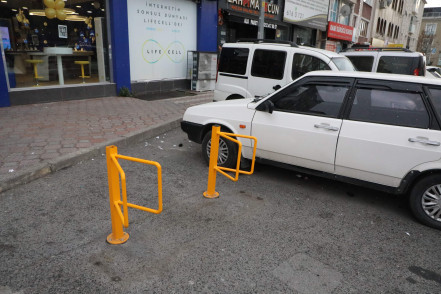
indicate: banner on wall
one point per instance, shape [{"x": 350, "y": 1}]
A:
[
  {"x": 311, "y": 13},
  {"x": 160, "y": 34}
]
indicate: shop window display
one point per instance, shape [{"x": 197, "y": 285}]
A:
[{"x": 54, "y": 42}]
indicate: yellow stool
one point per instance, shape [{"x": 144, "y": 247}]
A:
[
  {"x": 82, "y": 63},
  {"x": 35, "y": 62}
]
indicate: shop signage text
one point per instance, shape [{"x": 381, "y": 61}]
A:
[
  {"x": 307, "y": 13},
  {"x": 340, "y": 31},
  {"x": 254, "y": 22},
  {"x": 253, "y": 7}
]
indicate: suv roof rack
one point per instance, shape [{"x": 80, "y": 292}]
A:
[
  {"x": 376, "y": 49},
  {"x": 259, "y": 41}
]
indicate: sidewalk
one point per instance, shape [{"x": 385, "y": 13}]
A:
[{"x": 39, "y": 139}]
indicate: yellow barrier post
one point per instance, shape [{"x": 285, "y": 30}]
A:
[
  {"x": 214, "y": 152},
  {"x": 118, "y": 236},
  {"x": 120, "y": 219}
]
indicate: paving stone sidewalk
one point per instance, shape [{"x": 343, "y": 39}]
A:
[{"x": 39, "y": 139}]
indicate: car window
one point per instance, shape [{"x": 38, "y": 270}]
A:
[
  {"x": 389, "y": 107},
  {"x": 234, "y": 60},
  {"x": 343, "y": 63},
  {"x": 268, "y": 64},
  {"x": 399, "y": 65},
  {"x": 318, "y": 99},
  {"x": 362, "y": 63},
  {"x": 435, "y": 98},
  {"x": 303, "y": 63}
]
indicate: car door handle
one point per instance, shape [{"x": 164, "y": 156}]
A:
[
  {"x": 326, "y": 127},
  {"x": 425, "y": 141},
  {"x": 277, "y": 87}
]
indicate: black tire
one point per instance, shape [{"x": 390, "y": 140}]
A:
[
  {"x": 227, "y": 151},
  {"x": 425, "y": 201}
]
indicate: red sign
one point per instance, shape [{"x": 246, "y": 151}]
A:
[{"x": 340, "y": 31}]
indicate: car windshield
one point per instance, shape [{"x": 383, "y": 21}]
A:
[{"x": 343, "y": 63}]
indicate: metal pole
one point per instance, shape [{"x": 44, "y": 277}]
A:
[
  {"x": 214, "y": 151},
  {"x": 261, "y": 29}
]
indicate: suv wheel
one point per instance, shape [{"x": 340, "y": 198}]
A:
[
  {"x": 227, "y": 156},
  {"x": 425, "y": 201}
]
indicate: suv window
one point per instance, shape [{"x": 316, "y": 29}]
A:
[
  {"x": 362, "y": 63},
  {"x": 303, "y": 63},
  {"x": 319, "y": 99},
  {"x": 390, "y": 107},
  {"x": 399, "y": 65},
  {"x": 268, "y": 64},
  {"x": 234, "y": 60}
]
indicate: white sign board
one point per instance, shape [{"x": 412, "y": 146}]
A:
[
  {"x": 62, "y": 31},
  {"x": 311, "y": 13},
  {"x": 160, "y": 34}
]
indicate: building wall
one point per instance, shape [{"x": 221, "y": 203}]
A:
[
  {"x": 427, "y": 43},
  {"x": 408, "y": 21}
]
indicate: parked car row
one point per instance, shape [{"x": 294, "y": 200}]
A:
[{"x": 377, "y": 130}]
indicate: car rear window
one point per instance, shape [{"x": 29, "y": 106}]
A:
[
  {"x": 405, "y": 65},
  {"x": 362, "y": 63},
  {"x": 234, "y": 60},
  {"x": 268, "y": 64}
]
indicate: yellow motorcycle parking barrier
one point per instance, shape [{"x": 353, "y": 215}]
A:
[
  {"x": 214, "y": 152},
  {"x": 115, "y": 173}
]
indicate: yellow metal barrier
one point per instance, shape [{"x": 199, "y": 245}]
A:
[
  {"x": 120, "y": 218},
  {"x": 214, "y": 151}
]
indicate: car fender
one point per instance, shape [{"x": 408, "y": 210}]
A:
[{"x": 231, "y": 89}]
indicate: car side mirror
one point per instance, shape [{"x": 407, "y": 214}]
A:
[{"x": 267, "y": 106}]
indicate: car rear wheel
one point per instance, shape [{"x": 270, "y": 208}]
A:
[
  {"x": 227, "y": 156},
  {"x": 425, "y": 201}
]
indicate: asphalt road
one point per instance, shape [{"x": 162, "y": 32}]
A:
[{"x": 271, "y": 232}]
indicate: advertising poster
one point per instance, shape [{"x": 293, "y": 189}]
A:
[
  {"x": 307, "y": 13},
  {"x": 160, "y": 34}
]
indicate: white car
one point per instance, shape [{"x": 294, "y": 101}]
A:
[
  {"x": 257, "y": 68},
  {"x": 377, "y": 130}
]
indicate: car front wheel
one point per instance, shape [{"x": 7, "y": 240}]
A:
[
  {"x": 425, "y": 201},
  {"x": 227, "y": 156}
]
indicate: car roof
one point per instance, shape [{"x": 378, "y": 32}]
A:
[
  {"x": 374, "y": 76},
  {"x": 386, "y": 52},
  {"x": 250, "y": 44}
]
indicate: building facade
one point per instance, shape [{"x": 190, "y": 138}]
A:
[
  {"x": 397, "y": 23},
  {"x": 429, "y": 41}
]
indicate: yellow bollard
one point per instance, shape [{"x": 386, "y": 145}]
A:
[
  {"x": 121, "y": 218},
  {"x": 118, "y": 236},
  {"x": 214, "y": 152}
]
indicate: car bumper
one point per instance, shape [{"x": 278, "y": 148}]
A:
[{"x": 193, "y": 130}]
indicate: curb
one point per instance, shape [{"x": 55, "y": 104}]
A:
[{"x": 44, "y": 168}]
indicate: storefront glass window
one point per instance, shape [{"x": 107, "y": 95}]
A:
[{"x": 54, "y": 42}]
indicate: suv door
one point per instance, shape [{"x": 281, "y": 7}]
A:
[
  {"x": 303, "y": 128},
  {"x": 389, "y": 131},
  {"x": 267, "y": 71}
]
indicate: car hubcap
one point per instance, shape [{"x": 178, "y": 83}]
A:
[
  {"x": 223, "y": 151},
  {"x": 431, "y": 202}
]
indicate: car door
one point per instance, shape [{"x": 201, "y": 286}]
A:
[
  {"x": 303, "y": 128},
  {"x": 267, "y": 72},
  {"x": 389, "y": 131}
]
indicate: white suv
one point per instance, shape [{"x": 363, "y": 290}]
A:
[
  {"x": 378, "y": 130},
  {"x": 250, "y": 69},
  {"x": 387, "y": 60}
]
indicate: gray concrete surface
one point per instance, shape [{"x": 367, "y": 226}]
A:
[
  {"x": 271, "y": 232},
  {"x": 38, "y": 139}
]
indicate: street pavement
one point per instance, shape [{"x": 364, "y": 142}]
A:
[{"x": 39, "y": 139}]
